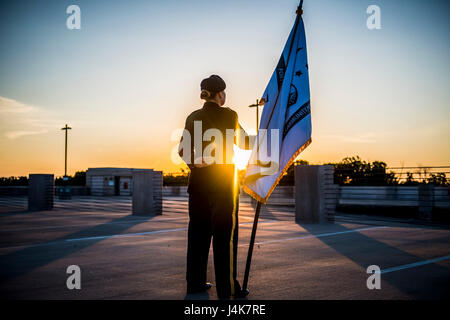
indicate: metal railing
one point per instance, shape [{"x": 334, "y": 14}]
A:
[{"x": 436, "y": 175}]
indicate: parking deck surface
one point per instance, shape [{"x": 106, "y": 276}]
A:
[{"x": 129, "y": 257}]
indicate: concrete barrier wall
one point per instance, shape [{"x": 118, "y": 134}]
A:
[
  {"x": 175, "y": 191},
  {"x": 348, "y": 195},
  {"x": 75, "y": 190},
  {"x": 14, "y": 191},
  {"x": 315, "y": 194},
  {"x": 23, "y": 191},
  {"x": 41, "y": 192},
  {"x": 395, "y": 196},
  {"x": 282, "y": 195}
]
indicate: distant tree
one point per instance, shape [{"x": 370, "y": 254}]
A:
[
  {"x": 78, "y": 179},
  {"x": 176, "y": 179},
  {"x": 410, "y": 180},
  {"x": 13, "y": 181},
  {"x": 438, "y": 179},
  {"x": 355, "y": 171},
  {"x": 289, "y": 177}
]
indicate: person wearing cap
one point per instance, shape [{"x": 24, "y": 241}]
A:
[{"x": 213, "y": 194}]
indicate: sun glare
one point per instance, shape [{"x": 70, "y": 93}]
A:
[{"x": 241, "y": 157}]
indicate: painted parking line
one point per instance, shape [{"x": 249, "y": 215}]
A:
[
  {"x": 321, "y": 235},
  {"x": 127, "y": 235},
  {"x": 413, "y": 265}
]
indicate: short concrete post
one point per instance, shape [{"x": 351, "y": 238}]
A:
[
  {"x": 315, "y": 194},
  {"x": 157, "y": 192},
  {"x": 40, "y": 192},
  {"x": 147, "y": 193},
  {"x": 426, "y": 199}
]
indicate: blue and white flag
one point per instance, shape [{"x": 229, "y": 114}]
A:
[{"x": 285, "y": 127}]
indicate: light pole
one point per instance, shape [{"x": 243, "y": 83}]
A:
[
  {"x": 66, "y": 128},
  {"x": 256, "y": 105}
]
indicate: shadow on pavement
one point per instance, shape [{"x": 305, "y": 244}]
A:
[
  {"x": 37, "y": 255},
  {"x": 364, "y": 251}
]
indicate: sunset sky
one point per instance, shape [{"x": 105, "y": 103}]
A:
[{"x": 130, "y": 76}]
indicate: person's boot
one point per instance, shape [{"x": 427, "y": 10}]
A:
[
  {"x": 238, "y": 292},
  {"x": 199, "y": 289},
  {"x": 241, "y": 294}
]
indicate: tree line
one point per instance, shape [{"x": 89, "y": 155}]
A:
[{"x": 349, "y": 171}]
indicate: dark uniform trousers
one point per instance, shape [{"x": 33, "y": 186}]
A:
[{"x": 213, "y": 214}]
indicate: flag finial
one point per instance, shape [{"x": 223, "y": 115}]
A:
[{"x": 300, "y": 8}]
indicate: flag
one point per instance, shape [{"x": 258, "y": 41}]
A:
[{"x": 285, "y": 126}]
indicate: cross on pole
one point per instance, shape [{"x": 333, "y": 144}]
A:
[
  {"x": 256, "y": 105},
  {"x": 66, "y": 128}
]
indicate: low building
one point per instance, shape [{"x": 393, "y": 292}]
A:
[{"x": 115, "y": 181}]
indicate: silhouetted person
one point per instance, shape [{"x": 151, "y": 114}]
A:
[{"x": 213, "y": 193}]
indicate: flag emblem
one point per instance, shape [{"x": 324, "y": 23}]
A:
[{"x": 285, "y": 126}]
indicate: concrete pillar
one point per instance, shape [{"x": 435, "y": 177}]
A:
[
  {"x": 316, "y": 195},
  {"x": 426, "y": 201},
  {"x": 147, "y": 193},
  {"x": 157, "y": 192},
  {"x": 40, "y": 192}
]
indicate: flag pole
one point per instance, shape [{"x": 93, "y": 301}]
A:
[
  {"x": 258, "y": 204},
  {"x": 250, "y": 248}
]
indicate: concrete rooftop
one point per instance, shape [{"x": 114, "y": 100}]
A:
[{"x": 129, "y": 257}]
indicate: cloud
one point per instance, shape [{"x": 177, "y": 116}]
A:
[
  {"x": 21, "y": 133},
  {"x": 18, "y": 120},
  {"x": 15, "y": 107}
]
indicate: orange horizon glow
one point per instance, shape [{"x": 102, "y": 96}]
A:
[{"x": 125, "y": 88}]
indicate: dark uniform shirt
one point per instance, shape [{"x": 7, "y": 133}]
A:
[{"x": 215, "y": 177}]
